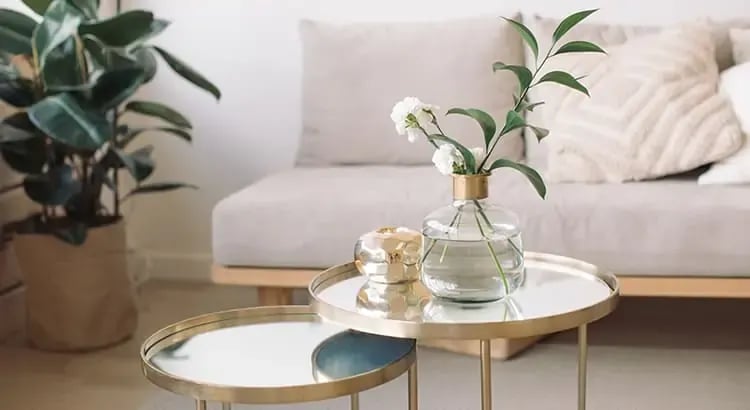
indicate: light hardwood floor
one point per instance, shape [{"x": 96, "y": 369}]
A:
[{"x": 651, "y": 354}]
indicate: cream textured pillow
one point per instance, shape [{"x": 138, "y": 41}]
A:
[
  {"x": 654, "y": 111},
  {"x": 740, "y": 45},
  {"x": 735, "y": 85},
  {"x": 355, "y": 73},
  {"x": 606, "y": 35}
]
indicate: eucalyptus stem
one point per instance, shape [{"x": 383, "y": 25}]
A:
[{"x": 493, "y": 255}]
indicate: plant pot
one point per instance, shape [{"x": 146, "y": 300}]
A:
[{"x": 78, "y": 297}]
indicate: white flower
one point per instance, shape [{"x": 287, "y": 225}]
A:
[
  {"x": 478, "y": 153},
  {"x": 444, "y": 158},
  {"x": 410, "y": 114}
]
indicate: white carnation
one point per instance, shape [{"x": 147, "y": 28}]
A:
[
  {"x": 410, "y": 114},
  {"x": 444, "y": 158},
  {"x": 478, "y": 153}
]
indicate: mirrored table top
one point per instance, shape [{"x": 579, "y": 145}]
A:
[
  {"x": 270, "y": 355},
  {"x": 558, "y": 293}
]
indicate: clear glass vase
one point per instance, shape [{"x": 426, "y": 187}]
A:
[{"x": 472, "y": 250}]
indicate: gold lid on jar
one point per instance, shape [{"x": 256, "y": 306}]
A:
[{"x": 470, "y": 187}]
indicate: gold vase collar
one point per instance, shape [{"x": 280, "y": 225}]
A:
[{"x": 470, "y": 187}]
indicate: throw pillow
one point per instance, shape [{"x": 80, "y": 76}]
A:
[
  {"x": 654, "y": 111},
  {"x": 740, "y": 45},
  {"x": 735, "y": 85},
  {"x": 355, "y": 73},
  {"x": 606, "y": 35}
]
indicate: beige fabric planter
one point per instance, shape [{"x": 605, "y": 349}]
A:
[{"x": 78, "y": 297}]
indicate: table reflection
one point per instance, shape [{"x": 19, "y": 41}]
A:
[{"x": 350, "y": 353}]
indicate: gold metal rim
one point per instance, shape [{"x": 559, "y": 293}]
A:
[
  {"x": 257, "y": 395},
  {"x": 470, "y": 331}
]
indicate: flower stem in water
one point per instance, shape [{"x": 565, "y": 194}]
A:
[{"x": 493, "y": 255}]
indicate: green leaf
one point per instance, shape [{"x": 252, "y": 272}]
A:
[
  {"x": 105, "y": 57},
  {"x": 513, "y": 121},
  {"x": 54, "y": 187},
  {"x": 17, "y": 127},
  {"x": 563, "y": 78},
  {"x": 532, "y": 106},
  {"x": 138, "y": 163},
  {"x": 122, "y": 29},
  {"x": 524, "y": 74},
  {"x": 64, "y": 120},
  {"x": 75, "y": 234},
  {"x": 158, "y": 187},
  {"x": 60, "y": 23},
  {"x": 159, "y": 110},
  {"x": 17, "y": 22},
  {"x": 569, "y": 22},
  {"x": 533, "y": 176},
  {"x": 188, "y": 73},
  {"x": 157, "y": 26},
  {"x": 146, "y": 61},
  {"x": 89, "y": 8},
  {"x": 39, "y": 6},
  {"x": 527, "y": 36},
  {"x": 114, "y": 87},
  {"x": 540, "y": 132},
  {"x": 63, "y": 71},
  {"x": 13, "y": 42},
  {"x": 579, "y": 47},
  {"x": 130, "y": 135},
  {"x": 469, "y": 160},
  {"x": 27, "y": 156},
  {"x": 486, "y": 122},
  {"x": 17, "y": 92}
]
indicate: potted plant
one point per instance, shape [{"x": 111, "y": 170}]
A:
[{"x": 71, "y": 76}]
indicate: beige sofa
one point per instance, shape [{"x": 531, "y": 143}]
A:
[{"x": 666, "y": 237}]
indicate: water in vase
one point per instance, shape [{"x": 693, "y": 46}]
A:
[{"x": 473, "y": 252}]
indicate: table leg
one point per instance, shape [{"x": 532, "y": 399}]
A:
[
  {"x": 354, "y": 401},
  {"x": 200, "y": 405},
  {"x": 486, "y": 365},
  {"x": 413, "y": 391},
  {"x": 226, "y": 406},
  {"x": 582, "y": 361}
]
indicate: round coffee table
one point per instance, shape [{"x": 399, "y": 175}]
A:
[
  {"x": 269, "y": 355},
  {"x": 559, "y": 293}
]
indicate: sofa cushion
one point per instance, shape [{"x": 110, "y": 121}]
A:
[
  {"x": 311, "y": 218},
  {"x": 654, "y": 111},
  {"x": 606, "y": 35},
  {"x": 355, "y": 73}
]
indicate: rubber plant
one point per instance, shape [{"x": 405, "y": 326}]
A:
[{"x": 71, "y": 75}]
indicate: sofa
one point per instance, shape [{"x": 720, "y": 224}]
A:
[{"x": 666, "y": 236}]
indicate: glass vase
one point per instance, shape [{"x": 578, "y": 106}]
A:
[{"x": 472, "y": 249}]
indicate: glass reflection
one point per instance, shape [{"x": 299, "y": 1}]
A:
[
  {"x": 440, "y": 310},
  {"x": 351, "y": 353},
  {"x": 402, "y": 301}
]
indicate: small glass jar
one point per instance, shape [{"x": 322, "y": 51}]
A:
[
  {"x": 473, "y": 250},
  {"x": 389, "y": 255}
]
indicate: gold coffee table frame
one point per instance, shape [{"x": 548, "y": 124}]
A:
[
  {"x": 203, "y": 392},
  {"x": 482, "y": 331}
]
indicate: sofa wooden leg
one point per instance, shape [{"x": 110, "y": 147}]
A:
[{"x": 271, "y": 296}]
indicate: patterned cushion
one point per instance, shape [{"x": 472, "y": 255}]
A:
[
  {"x": 654, "y": 110},
  {"x": 606, "y": 35}
]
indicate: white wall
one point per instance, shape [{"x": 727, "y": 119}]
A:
[{"x": 250, "y": 48}]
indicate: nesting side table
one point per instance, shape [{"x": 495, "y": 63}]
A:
[
  {"x": 270, "y": 355},
  {"x": 558, "y": 293}
]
